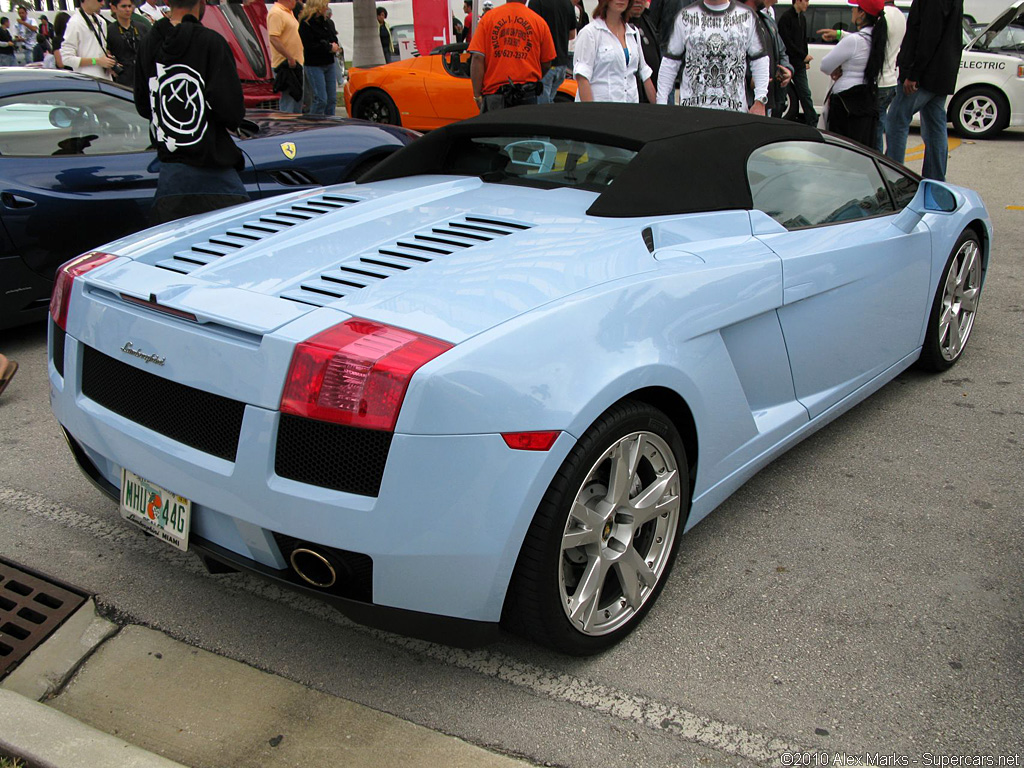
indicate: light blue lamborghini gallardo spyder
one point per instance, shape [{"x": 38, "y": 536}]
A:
[{"x": 493, "y": 382}]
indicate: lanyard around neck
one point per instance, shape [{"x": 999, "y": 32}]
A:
[{"x": 92, "y": 29}]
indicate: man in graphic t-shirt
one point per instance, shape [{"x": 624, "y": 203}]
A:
[
  {"x": 713, "y": 43},
  {"x": 25, "y": 32},
  {"x": 511, "y": 50}
]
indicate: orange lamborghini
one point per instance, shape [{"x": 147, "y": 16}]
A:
[{"x": 420, "y": 93}]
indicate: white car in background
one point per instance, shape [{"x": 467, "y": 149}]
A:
[{"x": 989, "y": 89}]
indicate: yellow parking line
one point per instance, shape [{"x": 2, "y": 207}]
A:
[
  {"x": 1015, "y": 207},
  {"x": 917, "y": 151}
]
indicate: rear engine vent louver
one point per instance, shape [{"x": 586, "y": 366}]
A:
[
  {"x": 203, "y": 253},
  {"x": 421, "y": 248}
]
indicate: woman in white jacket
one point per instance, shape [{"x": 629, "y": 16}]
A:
[
  {"x": 855, "y": 64},
  {"x": 608, "y": 57}
]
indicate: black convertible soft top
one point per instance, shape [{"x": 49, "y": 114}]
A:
[{"x": 688, "y": 159}]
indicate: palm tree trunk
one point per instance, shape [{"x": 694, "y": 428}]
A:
[{"x": 366, "y": 50}]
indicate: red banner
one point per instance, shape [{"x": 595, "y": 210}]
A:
[{"x": 432, "y": 24}]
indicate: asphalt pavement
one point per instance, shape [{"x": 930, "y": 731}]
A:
[{"x": 863, "y": 595}]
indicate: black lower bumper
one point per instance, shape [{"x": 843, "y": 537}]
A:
[{"x": 460, "y": 633}]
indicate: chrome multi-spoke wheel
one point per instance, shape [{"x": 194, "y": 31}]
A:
[
  {"x": 955, "y": 306},
  {"x": 620, "y": 532},
  {"x": 602, "y": 543},
  {"x": 959, "y": 300}
]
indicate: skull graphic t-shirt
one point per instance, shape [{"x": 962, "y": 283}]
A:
[{"x": 715, "y": 45}]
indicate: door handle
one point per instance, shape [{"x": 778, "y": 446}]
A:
[{"x": 11, "y": 200}]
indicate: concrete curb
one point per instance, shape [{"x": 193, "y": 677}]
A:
[
  {"x": 169, "y": 698},
  {"x": 207, "y": 710},
  {"x": 50, "y": 665},
  {"x": 47, "y": 738}
]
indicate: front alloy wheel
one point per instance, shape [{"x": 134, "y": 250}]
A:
[
  {"x": 955, "y": 305},
  {"x": 603, "y": 540}
]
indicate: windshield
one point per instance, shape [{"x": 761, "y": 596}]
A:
[
  {"x": 247, "y": 38},
  {"x": 541, "y": 161},
  {"x": 1007, "y": 40}
]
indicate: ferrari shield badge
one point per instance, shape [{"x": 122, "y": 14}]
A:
[{"x": 289, "y": 149}]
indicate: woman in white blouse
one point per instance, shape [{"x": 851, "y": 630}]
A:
[
  {"x": 608, "y": 57},
  {"x": 855, "y": 64}
]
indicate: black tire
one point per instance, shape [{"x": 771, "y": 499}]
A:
[
  {"x": 791, "y": 103},
  {"x": 579, "y": 529},
  {"x": 979, "y": 112},
  {"x": 955, "y": 305},
  {"x": 376, "y": 106}
]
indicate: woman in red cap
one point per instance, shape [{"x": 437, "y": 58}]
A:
[{"x": 854, "y": 64}]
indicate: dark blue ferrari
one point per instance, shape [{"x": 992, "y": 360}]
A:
[{"x": 77, "y": 170}]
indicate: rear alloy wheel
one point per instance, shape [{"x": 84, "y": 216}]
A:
[
  {"x": 604, "y": 538},
  {"x": 978, "y": 113},
  {"x": 955, "y": 306},
  {"x": 377, "y": 107}
]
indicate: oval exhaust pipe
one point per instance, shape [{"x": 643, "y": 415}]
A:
[{"x": 313, "y": 567}]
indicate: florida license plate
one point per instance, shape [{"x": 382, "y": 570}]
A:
[{"x": 155, "y": 509}]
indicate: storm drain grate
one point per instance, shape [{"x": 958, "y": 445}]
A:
[{"x": 30, "y": 610}]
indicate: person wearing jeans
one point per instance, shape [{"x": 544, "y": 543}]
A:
[
  {"x": 286, "y": 55},
  {"x": 929, "y": 62},
  {"x": 792, "y": 24},
  {"x": 885, "y": 97},
  {"x": 561, "y": 19},
  {"x": 320, "y": 46},
  {"x": 932, "y": 107},
  {"x": 896, "y": 27}
]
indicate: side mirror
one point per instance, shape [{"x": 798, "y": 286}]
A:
[
  {"x": 931, "y": 197},
  {"x": 939, "y": 198}
]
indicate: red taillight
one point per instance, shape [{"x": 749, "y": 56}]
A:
[
  {"x": 356, "y": 373},
  {"x": 69, "y": 270},
  {"x": 530, "y": 441}
]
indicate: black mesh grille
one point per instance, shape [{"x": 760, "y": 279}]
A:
[
  {"x": 58, "y": 335},
  {"x": 354, "y": 569},
  {"x": 331, "y": 455},
  {"x": 207, "y": 422}
]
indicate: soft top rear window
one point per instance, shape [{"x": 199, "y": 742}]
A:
[{"x": 541, "y": 161}]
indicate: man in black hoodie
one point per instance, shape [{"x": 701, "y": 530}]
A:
[
  {"x": 929, "y": 62},
  {"x": 187, "y": 85}
]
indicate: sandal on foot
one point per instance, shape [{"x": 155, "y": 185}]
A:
[{"x": 7, "y": 370}]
